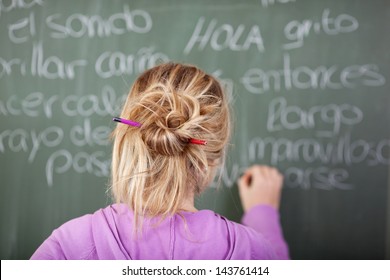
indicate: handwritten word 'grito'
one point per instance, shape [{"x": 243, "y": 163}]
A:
[{"x": 296, "y": 31}]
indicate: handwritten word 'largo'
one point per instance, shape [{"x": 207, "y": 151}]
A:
[{"x": 333, "y": 116}]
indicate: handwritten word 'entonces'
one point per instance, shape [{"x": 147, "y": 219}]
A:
[{"x": 259, "y": 81}]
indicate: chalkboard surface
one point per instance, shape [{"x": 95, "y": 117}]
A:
[{"x": 308, "y": 82}]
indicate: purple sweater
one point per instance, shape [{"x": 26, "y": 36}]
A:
[{"x": 107, "y": 234}]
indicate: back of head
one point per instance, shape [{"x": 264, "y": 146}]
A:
[{"x": 154, "y": 167}]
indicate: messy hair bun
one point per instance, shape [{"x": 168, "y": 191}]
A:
[
  {"x": 169, "y": 120},
  {"x": 154, "y": 167}
]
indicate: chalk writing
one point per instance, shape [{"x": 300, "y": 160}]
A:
[
  {"x": 53, "y": 67},
  {"x": 62, "y": 161},
  {"x": 110, "y": 64},
  {"x": 321, "y": 159},
  {"x": 21, "y": 140},
  {"x": 322, "y": 178},
  {"x": 282, "y": 116},
  {"x": 344, "y": 151},
  {"x": 266, "y": 3},
  {"x": 259, "y": 81},
  {"x": 79, "y": 25},
  {"x": 18, "y": 4},
  {"x": 296, "y": 31},
  {"x": 22, "y": 30},
  {"x": 224, "y": 37}
]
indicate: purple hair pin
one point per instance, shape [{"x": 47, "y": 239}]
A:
[{"x": 137, "y": 124}]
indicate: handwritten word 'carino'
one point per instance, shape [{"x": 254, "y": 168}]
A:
[
  {"x": 259, "y": 81},
  {"x": 110, "y": 64},
  {"x": 296, "y": 31},
  {"x": 79, "y": 25},
  {"x": 283, "y": 116},
  {"x": 225, "y": 37}
]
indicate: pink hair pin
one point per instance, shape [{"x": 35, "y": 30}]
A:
[{"x": 137, "y": 124}]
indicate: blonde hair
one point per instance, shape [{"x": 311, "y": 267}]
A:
[{"x": 154, "y": 167}]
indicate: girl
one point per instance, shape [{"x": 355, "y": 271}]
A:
[{"x": 170, "y": 139}]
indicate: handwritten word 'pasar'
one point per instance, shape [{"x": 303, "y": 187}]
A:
[{"x": 63, "y": 161}]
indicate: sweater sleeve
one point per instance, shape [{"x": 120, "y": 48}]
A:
[
  {"x": 71, "y": 241},
  {"x": 265, "y": 220}
]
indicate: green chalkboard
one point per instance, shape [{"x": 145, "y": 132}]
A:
[{"x": 308, "y": 82}]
